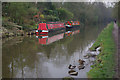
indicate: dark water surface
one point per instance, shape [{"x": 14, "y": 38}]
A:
[{"x": 48, "y": 56}]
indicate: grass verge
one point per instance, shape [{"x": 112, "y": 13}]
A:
[{"x": 105, "y": 61}]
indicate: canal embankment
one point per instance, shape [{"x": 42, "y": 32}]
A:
[
  {"x": 11, "y": 30},
  {"x": 104, "y": 65}
]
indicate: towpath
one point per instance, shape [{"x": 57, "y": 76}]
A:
[{"x": 116, "y": 31}]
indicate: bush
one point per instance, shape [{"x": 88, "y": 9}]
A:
[
  {"x": 51, "y": 18},
  {"x": 6, "y": 23}
]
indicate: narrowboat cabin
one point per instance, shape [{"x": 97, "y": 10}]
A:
[
  {"x": 44, "y": 28},
  {"x": 72, "y": 24}
]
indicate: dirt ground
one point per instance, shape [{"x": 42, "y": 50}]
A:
[{"x": 116, "y": 33}]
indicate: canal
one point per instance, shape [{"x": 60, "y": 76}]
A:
[{"x": 49, "y": 56}]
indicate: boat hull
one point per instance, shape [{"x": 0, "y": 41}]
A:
[
  {"x": 51, "y": 31},
  {"x": 72, "y": 27}
]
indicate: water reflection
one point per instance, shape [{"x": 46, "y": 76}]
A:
[
  {"x": 32, "y": 58},
  {"x": 46, "y": 39}
]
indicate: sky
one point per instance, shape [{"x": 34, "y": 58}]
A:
[
  {"x": 60, "y": 0},
  {"x": 108, "y": 3}
]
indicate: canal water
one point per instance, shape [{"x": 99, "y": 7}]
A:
[{"x": 48, "y": 56}]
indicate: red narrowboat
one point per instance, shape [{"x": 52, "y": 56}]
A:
[
  {"x": 44, "y": 28},
  {"x": 72, "y": 24}
]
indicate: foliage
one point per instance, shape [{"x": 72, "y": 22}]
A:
[
  {"x": 32, "y": 11},
  {"x": 16, "y": 11},
  {"x": 68, "y": 78},
  {"x": 104, "y": 64},
  {"x": 64, "y": 14},
  {"x": 42, "y": 16},
  {"x": 51, "y": 18},
  {"x": 23, "y": 13},
  {"x": 26, "y": 13},
  {"x": 20, "y": 13},
  {"x": 89, "y": 13},
  {"x": 116, "y": 9}
]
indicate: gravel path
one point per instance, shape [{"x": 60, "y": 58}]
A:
[
  {"x": 119, "y": 51},
  {"x": 117, "y": 56}
]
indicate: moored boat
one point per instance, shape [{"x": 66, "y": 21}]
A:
[
  {"x": 44, "y": 28},
  {"x": 72, "y": 24}
]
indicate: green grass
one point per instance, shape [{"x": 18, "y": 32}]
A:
[
  {"x": 105, "y": 62},
  {"x": 68, "y": 78}
]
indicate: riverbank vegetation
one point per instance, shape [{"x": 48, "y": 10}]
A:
[
  {"x": 105, "y": 61},
  {"x": 28, "y": 15},
  {"x": 118, "y": 24},
  {"x": 21, "y": 17}
]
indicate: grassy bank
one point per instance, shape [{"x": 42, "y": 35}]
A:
[
  {"x": 118, "y": 24},
  {"x": 104, "y": 64}
]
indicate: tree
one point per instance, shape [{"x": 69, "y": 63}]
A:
[
  {"x": 116, "y": 11},
  {"x": 64, "y": 14}
]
